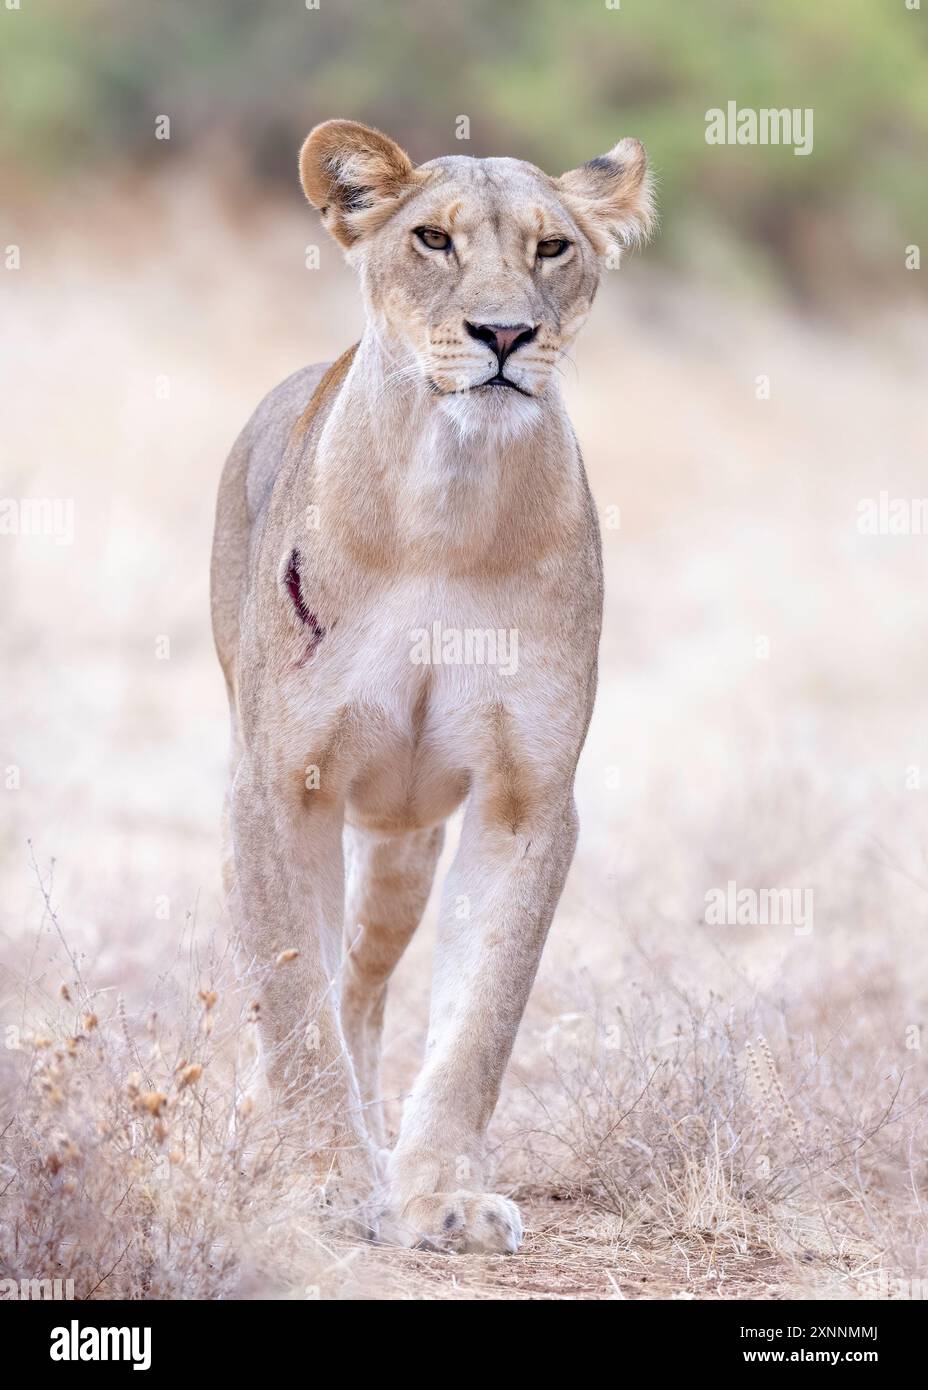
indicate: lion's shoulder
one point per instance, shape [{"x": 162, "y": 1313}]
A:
[
  {"x": 270, "y": 427},
  {"x": 248, "y": 480},
  {"x": 285, "y": 414}
]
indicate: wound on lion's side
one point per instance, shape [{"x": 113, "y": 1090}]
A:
[{"x": 292, "y": 582}]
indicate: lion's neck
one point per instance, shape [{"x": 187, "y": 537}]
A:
[{"x": 459, "y": 479}]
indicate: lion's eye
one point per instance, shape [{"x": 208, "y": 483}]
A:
[
  {"x": 552, "y": 246},
  {"x": 433, "y": 238}
]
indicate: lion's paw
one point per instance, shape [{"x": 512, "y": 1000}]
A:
[{"x": 462, "y": 1223}]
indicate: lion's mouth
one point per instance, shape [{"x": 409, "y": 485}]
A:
[{"x": 500, "y": 380}]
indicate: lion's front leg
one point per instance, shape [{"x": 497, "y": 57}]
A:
[
  {"x": 288, "y": 902},
  {"x": 497, "y": 907}
]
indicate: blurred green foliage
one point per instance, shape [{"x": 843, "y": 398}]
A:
[{"x": 555, "y": 81}]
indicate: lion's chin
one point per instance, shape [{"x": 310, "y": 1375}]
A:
[{"x": 495, "y": 411}]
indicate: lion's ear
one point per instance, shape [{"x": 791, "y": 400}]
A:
[
  {"x": 355, "y": 176},
  {"x": 612, "y": 197}
]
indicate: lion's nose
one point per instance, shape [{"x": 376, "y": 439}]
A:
[{"x": 503, "y": 338}]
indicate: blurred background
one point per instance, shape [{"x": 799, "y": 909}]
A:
[
  {"x": 541, "y": 79},
  {"x": 744, "y": 384}
]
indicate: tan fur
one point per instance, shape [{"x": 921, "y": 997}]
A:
[{"x": 402, "y": 492}]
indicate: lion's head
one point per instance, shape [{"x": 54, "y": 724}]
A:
[{"x": 477, "y": 273}]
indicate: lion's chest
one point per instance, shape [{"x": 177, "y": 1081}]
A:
[{"x": 418, "y": 672}]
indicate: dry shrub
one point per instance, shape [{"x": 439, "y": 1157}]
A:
[
  {"x": 688, "y": 1120},
  {"x": 133, "y": 1163}
]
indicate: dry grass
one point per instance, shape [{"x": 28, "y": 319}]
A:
[
  {"x": 657, "y": 1147},
  {"x": 677, "y": 1120},
  {"x": 692, "y": 1110}
]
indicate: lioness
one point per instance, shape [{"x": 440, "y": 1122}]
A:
[{"x": 385, "y": 525}]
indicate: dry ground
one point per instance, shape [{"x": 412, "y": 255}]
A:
[{"x": 692, "y": 1110}]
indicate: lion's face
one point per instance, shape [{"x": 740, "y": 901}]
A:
[
  {"x": 485, "y": 274},
  {"x": 478, "y": 272}
]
